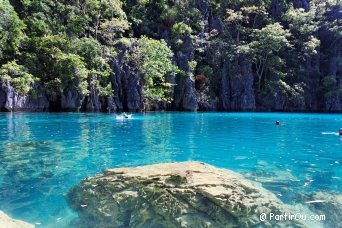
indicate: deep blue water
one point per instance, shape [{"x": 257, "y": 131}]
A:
[{"x": 43, "y": 155}]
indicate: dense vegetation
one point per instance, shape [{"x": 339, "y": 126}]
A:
[{"x": 293, "y": 53}]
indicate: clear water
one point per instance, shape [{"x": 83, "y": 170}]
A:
[{"x": 43, "y": 155}]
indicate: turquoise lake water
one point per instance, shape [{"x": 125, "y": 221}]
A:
[{"x": 43, "y": 155}]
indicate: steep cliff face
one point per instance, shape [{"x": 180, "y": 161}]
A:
[
  {"x": 184, "y": 91},
  {"x": 71, "y": 100},
  {"x": 236, "y": 91},
  {"x": 12, "y": 100},
  {"x": 126, "y": 83},
  {"x": 333, "y": 98},
  {"x": 94, "y": 102},
  {"x": 305, "y": 4},
  {"x": 208, "y": 39}
]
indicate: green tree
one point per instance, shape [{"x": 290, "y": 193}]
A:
[
  {"x": 153, "y": 59},
  {"x": 17, "y": 76},
  {"x": 11, "y": 31},
  {"x": 265, "y": 48}
]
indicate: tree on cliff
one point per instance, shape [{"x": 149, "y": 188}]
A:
[
  {"x": 11, "y": 31},
  {"x": 294, "y": 53},
  {"x": 264, "y": 50},
  {"x": 153, "y": 58}
]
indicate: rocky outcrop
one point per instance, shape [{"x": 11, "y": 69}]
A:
[
  {"x": 276, "y": 9},
  {"x": 184, "y": 90},
  {"x": 8, "y": 222},
  {"x": 187, "y": 194},
  {"x": 237, "y": 86},
  {"x": 94, "y": 102},
  {"x": 72, "y": 99},
  {"x": 305, "y": 4},
  {"x": 126, "y": 83},
  {"x": 333, "y": 98},
  {"x": 13, "y": 100}
]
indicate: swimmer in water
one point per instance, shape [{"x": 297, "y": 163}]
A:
[
  {"x": 340, "y": 132},
  {"x": 277, "y": 122}
]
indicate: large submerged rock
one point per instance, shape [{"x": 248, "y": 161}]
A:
[
  {"x": 324, "y": 203},
  {"x": 187, "y": 194},
  {"x": 8, "y": 222}
]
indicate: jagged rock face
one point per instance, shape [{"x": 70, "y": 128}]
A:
[
  {"x": 126, "y": 84},
  {"x": 185, "y": 98},
  {"x": 334, "y": 102},
  {"x": 7, "y": 222},
  {"x": 276, "y": 9},
  {"x": 12, "y": 100},
  {"x": 71, "y": 100},
  {"x": 94, "y": 102},
  {"x": 312, "y": 82},
  {"x": 188, "y": 194},
  {"x": 305, "y": 4},
  {"x": 184, "y": 90},
  {"x": 237, "y": 86}
]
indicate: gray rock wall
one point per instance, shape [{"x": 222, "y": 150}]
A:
[
  {"x": 236, "y": 89},
  {"x": 126, "y": 84},
  {"x": 12, "y": 100}
]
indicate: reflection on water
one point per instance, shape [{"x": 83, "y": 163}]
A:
[{"x": 43, "y": 155}]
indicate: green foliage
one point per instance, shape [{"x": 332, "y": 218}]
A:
[
  {"x": 11, "y": 30},
  {"x": 206, "y": 71},
  {"x": 101, "y": 19},
  {"x": 265, "y": 47},
  {"x": 54, "y": 87},
  {"x": 246, "y": 19},
  {"x": 111, "y": 29},
  {"x": 303, "y": 27},
  {"x": 148, "y": 16},
  {"x": 330, "y": 88},
  {"x": 126, "y": 42},
  {"x": 192, "y": 66},
  {"x": 17, "y": 76},
  {"x": 71, "y": 43},
  {"x": 181, "y": 29},
  {"x": 153, "y": 59},
  {"x": 70, "y": 68}
]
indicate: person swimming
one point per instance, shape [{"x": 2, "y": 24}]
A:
[
  {"x": 277, "y": 122},
  {"x": 340, "y": 132}
]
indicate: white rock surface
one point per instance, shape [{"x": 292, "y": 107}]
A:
[{"x": 8, "y": 222}]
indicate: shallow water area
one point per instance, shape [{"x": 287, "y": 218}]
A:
[{"x": 42, "y": 155}]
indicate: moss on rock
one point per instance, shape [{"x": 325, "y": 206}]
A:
[{"x": 188, "y": 194}]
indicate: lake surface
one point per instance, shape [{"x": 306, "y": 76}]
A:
[{"x": 43, "y": 155}]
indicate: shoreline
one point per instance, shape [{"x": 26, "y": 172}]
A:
[{"x": 148, "y": 112}]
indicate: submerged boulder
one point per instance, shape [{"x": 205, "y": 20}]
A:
[
  {"x": 7, "y": 222},
  {"x": 324, "y": 203},
  {"x": 186, "y": 194}
]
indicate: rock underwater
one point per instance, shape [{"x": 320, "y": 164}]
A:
[
  {"x": 186, "y": 194},
  {"x": 7, "y": 222}
]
